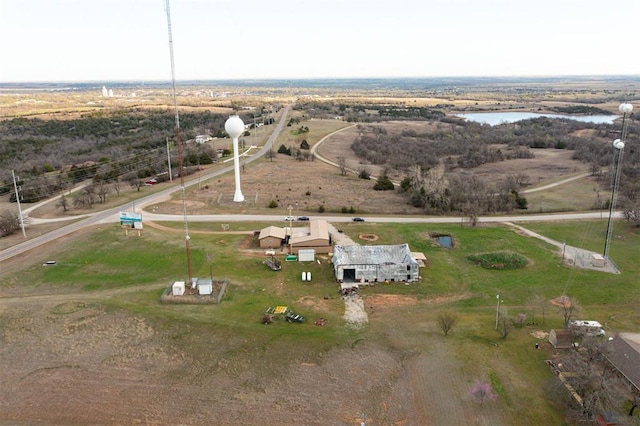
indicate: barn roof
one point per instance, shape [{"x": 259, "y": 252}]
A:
[
  {"x": 624, "y": 354},
  {"x": 272, "y": 231},
  {"x": 372, "y": 255},
  {"x": 318, "y": 230}
]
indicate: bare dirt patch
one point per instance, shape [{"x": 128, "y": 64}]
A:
[
  {"x": 381, "y": 301},
  {"x": 368, "y": 237}
]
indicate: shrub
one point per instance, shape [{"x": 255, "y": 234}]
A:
[
  {"x": 383, "y": 184},
  {"x": 284, "y": 150},
  {"x": 500, "y": 260},
  {"x": 273, "y": 204}
]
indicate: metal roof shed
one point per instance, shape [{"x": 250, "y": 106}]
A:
[{"x": 205, "y": 286}]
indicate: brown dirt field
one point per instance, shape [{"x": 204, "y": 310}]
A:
[
  {"x": 287, "y": 181},
  {"x": 75, "y": 362}
]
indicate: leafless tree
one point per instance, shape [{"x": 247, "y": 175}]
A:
[
  {"x": 520, "y": 319},
  {"x": 632, "y": 215},
  {"x": 86, "y": 197},
  {"x": 136, "y": 183},
  {"x": 446, "y": 321},
  {"x": 102, "y": 191},
  {"x": 505, "y": 323},
  {"x": 569, "y": 307},
  {"x": 342, "y": 164},
  {"x": 594, "y": 379},
  {"x": 270, "y": 155},
  {"x": 117, "y": 186},
  {"x": 538, "y": 304},
  {"x": 63, "y": 202},
  {"x": 483, "y": 391},
  {"x": 9, "y": 223}
]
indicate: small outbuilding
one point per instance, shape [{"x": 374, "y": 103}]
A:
[
  {"x": 205, "y": 286},
  {"x": 362, "y": 264},
  {"x": 561, "y": 338},
  {"x": 271, "y": 237},
  {"x": 178, "y": 288},
  {"x": 307, "y": 255},
  {"x": 597, "y": 260}
]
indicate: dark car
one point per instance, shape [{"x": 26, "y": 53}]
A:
[
  {"x": 303, "y": 218},
  {"x": 358, "y": 219}
]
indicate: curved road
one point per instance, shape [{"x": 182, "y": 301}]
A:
[{"x": 112, "y": 215}]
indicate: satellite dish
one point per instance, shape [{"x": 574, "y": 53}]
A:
[{"x": 618, "y": 144}]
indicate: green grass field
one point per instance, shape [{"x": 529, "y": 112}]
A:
[{"x": 109, "y": 261}]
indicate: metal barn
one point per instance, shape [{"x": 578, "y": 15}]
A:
[{"x": 361, "y": 264}]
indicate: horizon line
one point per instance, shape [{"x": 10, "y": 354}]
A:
[{"x": 238, "y": 80}]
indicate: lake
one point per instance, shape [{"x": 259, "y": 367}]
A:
[{"x": 495, "y": 118}]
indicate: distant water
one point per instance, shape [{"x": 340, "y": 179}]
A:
[{"x": 495, "y": 118}]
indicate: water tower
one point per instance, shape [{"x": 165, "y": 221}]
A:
[{"x": 235, "y": 127}]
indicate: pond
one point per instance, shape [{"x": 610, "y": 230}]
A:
[
  {"x": 445, "y": 241},
  {"x": 495, "y": 118}
]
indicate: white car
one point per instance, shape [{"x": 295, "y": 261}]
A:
[{"x": 290, "y": 218}]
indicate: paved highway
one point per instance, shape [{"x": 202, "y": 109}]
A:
[{"x": 112, "y": 215}]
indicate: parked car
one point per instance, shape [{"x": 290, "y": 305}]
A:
[
  {"x": 358, "y": 219},
  {"x": 303, "y": 218},
  {"x": 289, "y": 218}
]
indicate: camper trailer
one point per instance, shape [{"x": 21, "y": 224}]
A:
[{"x": 586, "y": 328}]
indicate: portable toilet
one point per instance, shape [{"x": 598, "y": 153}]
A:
[
  {"x": 178, "y": 288},
  {"x": 304, "y": 276}
]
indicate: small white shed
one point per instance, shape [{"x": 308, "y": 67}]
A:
[
  {"x": 597, "y": 260},
  {"x": 205, "y": 286},
  {"x": 178, "y": 288}
]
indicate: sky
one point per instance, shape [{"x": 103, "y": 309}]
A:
[{"x": 109, "y": 40}]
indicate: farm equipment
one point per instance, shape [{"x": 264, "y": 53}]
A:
[
  {"x": 273, "y": 263},
  {"x": 282, "y": 312}
]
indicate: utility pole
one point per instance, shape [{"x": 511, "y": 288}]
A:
[
  {"x": 497, "y": 310},
  {"x": 169, "y": 161},
  {"x": 15, "y": 187}
]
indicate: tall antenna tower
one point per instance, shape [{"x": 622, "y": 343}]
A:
[
  {"x": 618, "y": 144},
  {"x": 178, "y": 142}
]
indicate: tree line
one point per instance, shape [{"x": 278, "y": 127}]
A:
[
  {"x": 428, "y": 158},
  {"x": 48, "y": 155}
]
